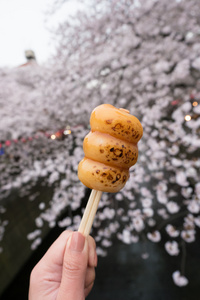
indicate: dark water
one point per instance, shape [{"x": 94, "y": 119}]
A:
[{"x": 123, "y": 274}]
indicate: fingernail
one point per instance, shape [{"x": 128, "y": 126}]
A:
[{"x": 77, "y": 242}]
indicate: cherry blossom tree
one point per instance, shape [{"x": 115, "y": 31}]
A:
[{"x": 132, "y": 55}]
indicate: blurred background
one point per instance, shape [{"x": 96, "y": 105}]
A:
[{"x": 58, "y": 61}]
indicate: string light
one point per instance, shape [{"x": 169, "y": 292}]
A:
[
  {"x": 7, "y": 143},
  {"x": 57, "y": 135},
  {"x": 195, "y": 103},
  {"x": 66, "y": 132},
  {"x": 188, "y": 118},
  {"x": 53, "y": 137}
]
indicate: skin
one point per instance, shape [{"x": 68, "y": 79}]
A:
[{"x": 66, "y": 271}]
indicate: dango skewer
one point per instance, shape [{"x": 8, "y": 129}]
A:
[{"x": 110, "y": 150}]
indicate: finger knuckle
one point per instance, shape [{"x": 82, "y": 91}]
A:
[{"x": 72, "y": 269}]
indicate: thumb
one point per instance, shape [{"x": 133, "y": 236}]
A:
[{"x": 74, "y": 268}]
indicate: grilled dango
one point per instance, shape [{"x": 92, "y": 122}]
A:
[{"x": 110, "y": 148}]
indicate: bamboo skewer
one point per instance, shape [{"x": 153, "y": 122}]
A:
[{"x": 89, "y": 213}]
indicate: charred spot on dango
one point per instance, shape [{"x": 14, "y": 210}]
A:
[
  {"x": 110, "y": 177},
  {"x": 129, "y": 153},
  {"x": 137, "y": 136},
  {"x": 117, "y": 127},
  {"x": 118, "y": 152},
  {"x": 124, "y": 179},
  {"x": 109, "y": 121},
  {"x": 118, "y": 177},
  {"x": 101, "y": 151}
]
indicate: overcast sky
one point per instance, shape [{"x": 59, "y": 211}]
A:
[{"x": 23, "y": 26}]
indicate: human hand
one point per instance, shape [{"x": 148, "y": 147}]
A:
[{"x": 66, "y": 271}]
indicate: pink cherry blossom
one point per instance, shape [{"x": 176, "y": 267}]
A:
[
  {"x": 172, "y": 231},
  {"x": 154, "y": 236},
  {"x": 179, "y": 279},
  {"x": 172, "y": 207},
  {"x": 188, "y": 235},
  {"x": 172, "y": 248}
]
